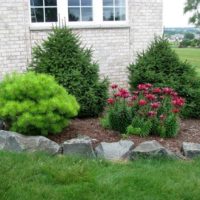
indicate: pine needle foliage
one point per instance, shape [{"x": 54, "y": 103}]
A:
[
  {"x": 34, "y": 104},
  {"x": 63, "y": 56}
]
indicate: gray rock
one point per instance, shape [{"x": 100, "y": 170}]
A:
[
  {"x": 81, "y": 146},
  {"x": 151, "y": 149},
  {"x": 10, "y": 141},
  {"x": 191, "y": 150},
  {"x": 115, "y": 151}
]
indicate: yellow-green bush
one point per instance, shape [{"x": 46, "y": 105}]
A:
[{"x": 34, "y": 104}]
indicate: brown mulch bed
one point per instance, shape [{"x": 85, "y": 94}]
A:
[{"x": 190, "y": 132}]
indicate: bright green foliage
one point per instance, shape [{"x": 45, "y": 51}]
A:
[
  {"x": 62, "y": 56},
  {"x": 160, "y": 65},
  {"x": 34, "y": 104}
]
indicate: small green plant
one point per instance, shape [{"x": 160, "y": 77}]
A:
[
  {"x": 63, "y": 57},
  {"x": 161, "y": 66},
  {"x": 148, "y": 111},
  {"x": 34, "y": 104}
]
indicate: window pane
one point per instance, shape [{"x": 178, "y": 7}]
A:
[
  {"x": 37, "y": 15},
  {"x": 86, "y": 2},
  {"x": 51, "y": 14},
  {"x": 36, "y": 2},
  {"x": 50, "y": 2},
  {"x": 108, "y": 14},
  {"x": 120, "y": 14},
  {"x": 108, "y": 3},
  {"x": 74, "y": 14},
  {"x": 74, "y": 3},
  {"x": 119, "y": 2},
  {"x": 87, "y": 14}
]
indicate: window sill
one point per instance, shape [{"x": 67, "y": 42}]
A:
[{"x": 43, "y": 27}]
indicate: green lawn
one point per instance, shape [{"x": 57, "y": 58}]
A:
[
  {"x": 41, "y": 177},
  {"x": 192, "y": 55}
]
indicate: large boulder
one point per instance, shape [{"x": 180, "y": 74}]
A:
[
  {"x": 151, "y": 149},
  {"x": 14, "y": 142},
  {"x": 115, "y": 151},
  {"x": 81, "y": 146},
  {"x": 191, "y": 150}
]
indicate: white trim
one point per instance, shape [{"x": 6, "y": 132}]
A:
[{"x": 62, "y": 6}]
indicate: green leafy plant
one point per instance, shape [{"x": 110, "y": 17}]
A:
[
  {"x": 160, "y": 66},
  {"x": 34, "y": 104},
  {"x": 63, "y": 57},
  {"x": 147, "y": 111}
]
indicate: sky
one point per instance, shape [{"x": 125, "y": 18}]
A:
[{"x": 173, "y": 14}]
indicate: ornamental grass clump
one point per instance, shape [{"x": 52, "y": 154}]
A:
[
  {"x": 34, "y": 104},
  {"x": 146, "y": 111}
]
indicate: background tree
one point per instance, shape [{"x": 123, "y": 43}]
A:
[
  {"x": 194, "y": 7},
  {"x": 189, "y": 36}
]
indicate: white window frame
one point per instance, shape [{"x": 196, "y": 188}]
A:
[{"x": 98, "y": 22}]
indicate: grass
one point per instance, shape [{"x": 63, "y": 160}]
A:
[
  {"x": 192, "y": 55},
  {"x": 42, "y": 177}
]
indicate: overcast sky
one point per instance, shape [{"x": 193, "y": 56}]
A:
[{"x": 173, "y": 14}]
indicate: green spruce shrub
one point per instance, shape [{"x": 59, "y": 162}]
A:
[
  {"x": 161, "y": 66},
  {"x": 34, "y": 104},
  {"x": 63, "y": 57}
]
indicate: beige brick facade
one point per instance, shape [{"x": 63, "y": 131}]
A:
[{"x": 114, "y": 47}]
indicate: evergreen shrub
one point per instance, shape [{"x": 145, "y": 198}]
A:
[
  {"x": 34, "y": 104},
  {"x": 63, "y": 56},
  {"x": 161, "y": 66}
]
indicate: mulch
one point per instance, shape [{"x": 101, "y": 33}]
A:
[{"x": 190, "y": 132}]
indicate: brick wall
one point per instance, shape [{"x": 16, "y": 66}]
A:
[
  {"x": 14, "y": 36},
  {"x": 114, "y": 48}
]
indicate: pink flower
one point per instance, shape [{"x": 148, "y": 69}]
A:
[
  {"x": 155, "y": 105},
  {"x": 157, "y": 90},
  {"x": 148, "y": 85},
  {"x": 142, "y": 102},
  {"x": 114, "y": 86},
  {"x": 142, "y": 87},
  {"x": 174, "y": 94},
  {"x": 150, "y": 97},
  {"x": 133, "y": 98},
  {"x": 167, "y": 90},
  {"x": 152, "y": 113},
  {"x": 178, "y": 102},
  {"x": 124, "y": 93},
  {"x": 111, "y": 101}
]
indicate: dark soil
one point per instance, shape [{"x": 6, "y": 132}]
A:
[{"x": 190, "y": 132}]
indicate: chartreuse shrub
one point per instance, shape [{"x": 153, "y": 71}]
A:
[
  {"x": 148, "y": 111},
  {"x": 160, "y": 66},
  {"x": 35, "y": 104},
  {"x": 62, "y": 56}
]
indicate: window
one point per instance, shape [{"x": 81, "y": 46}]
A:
[
  {"x": 80, "y": 10},
  {"x": 114, "y": 10},
  {"x": 44, "y": 11}
]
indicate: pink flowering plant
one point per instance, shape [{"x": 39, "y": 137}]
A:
[{"x": 146, "y": 111}]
